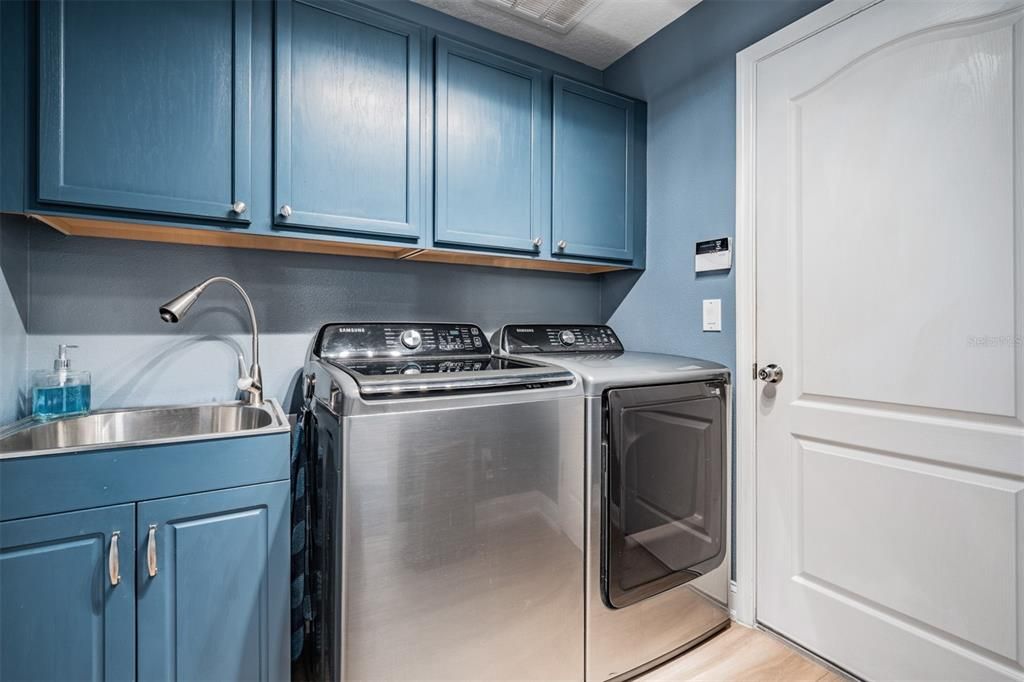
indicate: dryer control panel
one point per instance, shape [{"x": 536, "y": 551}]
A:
[{"x": 551, "y": 338}]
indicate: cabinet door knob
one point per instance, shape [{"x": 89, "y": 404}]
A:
[
  {"x": 286, "y": 210},
  {"x": 537, "y": 241},
  {"x": 238, "y": 208},
  {"x": 114, "y": 559},
  {"x": 562, "y": 243},
  {"x": 151, "y": 551}
]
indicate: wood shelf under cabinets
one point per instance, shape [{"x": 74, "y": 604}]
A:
[{"x": 89, "y": 227}]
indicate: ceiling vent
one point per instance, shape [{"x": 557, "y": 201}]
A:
[{"x": 560, "y": 16}]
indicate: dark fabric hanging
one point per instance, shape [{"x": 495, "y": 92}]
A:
[{"x": 301, "y": 602}]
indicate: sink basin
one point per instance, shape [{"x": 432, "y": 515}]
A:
[{"x": 140, "y": 426}]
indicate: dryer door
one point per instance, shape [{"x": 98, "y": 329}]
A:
[{"x": 663, "y": 516}]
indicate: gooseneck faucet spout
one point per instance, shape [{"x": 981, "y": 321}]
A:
[{"x": 178, "y": 307}]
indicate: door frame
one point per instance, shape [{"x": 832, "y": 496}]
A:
[{"x": 743, "y": 602}]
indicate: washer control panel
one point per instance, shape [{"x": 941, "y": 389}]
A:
[
  {"x": 399, "y": 339},
  {"x": 543, "y": 338}
]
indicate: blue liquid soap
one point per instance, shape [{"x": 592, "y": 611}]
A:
[
  {"x": 62, "y": 392},
  {"x": 61, "y": 401}
]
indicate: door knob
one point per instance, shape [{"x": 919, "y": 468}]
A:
[
  {"x": 562, "y": 244},
  {"x": 238, "y": 208},
  {"x": 770, "y": 374},
  {"x": 537, "y": 241},
  {"x": 286, "y": 210}
]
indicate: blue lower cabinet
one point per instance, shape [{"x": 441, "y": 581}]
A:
[
  {"x": 161, "y": 575},
  {"x": 213, "y": 585},
  {"x": 67, "y": 596}
]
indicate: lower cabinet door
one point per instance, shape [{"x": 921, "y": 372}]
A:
[
  {"x": 213, "y": 576},
  {"x": 67, "y": 596}
]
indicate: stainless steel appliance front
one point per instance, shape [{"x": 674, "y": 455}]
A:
[
  {"x": 622, "y": 642},
  {"x": 454, "y": 529},
  {"x": 657, "y": 443},
  {"x": 460, "y": 543}
]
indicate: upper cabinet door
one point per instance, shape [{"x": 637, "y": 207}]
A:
[
  {"x": 490, "y": 159},
  {"x": 348, "y": 118},
  {"x": 62, "y": 616},
  {"x": 213, "y": 584},
  {"x": 593, "y": 188},
  {"x": 145, "y": 106}
]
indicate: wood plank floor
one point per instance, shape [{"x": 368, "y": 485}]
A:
[{"x": 742, "y": 653}]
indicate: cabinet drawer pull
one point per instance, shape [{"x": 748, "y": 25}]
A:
[
  {"x": 562, "y": 244},
  {"x": 151, "y": 550},
  {"x": 114, "y": 559}
]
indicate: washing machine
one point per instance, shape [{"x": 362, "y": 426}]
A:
[
  {"x": 448, "y": 529},
  {"x": 657, "y": 434}
]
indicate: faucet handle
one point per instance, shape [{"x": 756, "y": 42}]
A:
[
  {"x": 247, "y": 383},
  {"x": 245, "y": 380},
  {"x": 253, "y": 390}
]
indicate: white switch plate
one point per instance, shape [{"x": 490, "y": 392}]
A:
[{"x": 712, "y": 314}]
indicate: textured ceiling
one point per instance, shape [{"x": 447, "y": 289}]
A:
[{"x": 607, "y": 31}]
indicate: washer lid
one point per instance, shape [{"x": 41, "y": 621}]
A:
[
  {"x": 422, "y": 377},
  {"x": 601, "y": 371},
  {"x": 595, "y": 353}
]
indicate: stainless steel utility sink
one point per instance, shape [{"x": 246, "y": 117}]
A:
[{"x": 140, "y": 426}]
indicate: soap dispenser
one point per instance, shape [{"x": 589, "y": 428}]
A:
[{"x": 60, "y": 392}]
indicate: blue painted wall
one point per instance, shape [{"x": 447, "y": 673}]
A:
[
  {"x": 13, "y": 238},
  {"x": 687, "y": 74},
  {"x": 13, "y": 313}
]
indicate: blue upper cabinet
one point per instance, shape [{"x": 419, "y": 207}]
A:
[
  {"x": 213, "y": 585},
  {"x": 316, "y": 120},
  {"x": 490, "y": 152},
  {"x": 348, "y": 120},
  {"x": 145, "y": 106},
  {"x": 62, "y": 616},
  {"x": 594, "y": 169}
]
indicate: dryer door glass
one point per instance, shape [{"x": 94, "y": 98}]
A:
[{"x": 663, "y": 512}]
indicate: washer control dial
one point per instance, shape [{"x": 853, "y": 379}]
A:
[
  {"x": 566, "y": 337},
  {"x": 411, "y": 339}
]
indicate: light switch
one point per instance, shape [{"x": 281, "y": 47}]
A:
[{"x": 712, "y": 314}]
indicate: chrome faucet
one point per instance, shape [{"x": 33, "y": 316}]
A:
[{"x": 177, "y": 307}]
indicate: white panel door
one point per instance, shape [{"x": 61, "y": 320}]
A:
[{"x": 890, "y": 289}]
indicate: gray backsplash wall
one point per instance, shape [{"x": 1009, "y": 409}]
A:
[
  {"x": 13, "y": 313},
  {"x": 103, "y": 295}
]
